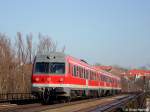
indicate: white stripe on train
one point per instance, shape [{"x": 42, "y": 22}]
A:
[{"x": 72, "y": 86}]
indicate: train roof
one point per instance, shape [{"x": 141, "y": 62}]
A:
[
  {"x": 51, "y": 56},
  {"x": 93, "y": 67},
  {"x": 60, "y": 56}
]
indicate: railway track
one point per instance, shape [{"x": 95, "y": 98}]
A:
[
  {"x": 82, "y": 105},
  {"x": 103, "y": 104}
]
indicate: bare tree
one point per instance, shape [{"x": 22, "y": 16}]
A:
[
  {"x": 6, "y": 60},
  {"x": 46, "y": 44},
  {"x": 16, "y": 60},
  {"x": 29, "y": 47}
]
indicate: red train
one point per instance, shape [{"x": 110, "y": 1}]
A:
[{"x": 56, "y": 75}]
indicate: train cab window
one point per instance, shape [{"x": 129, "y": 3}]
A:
[
  {"x": 41, "y": 67},
  {"x": 49, "y": 68},
  {"x": 56, "y": 68}
]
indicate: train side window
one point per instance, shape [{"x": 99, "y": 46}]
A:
[
  {"x": 74, "y": 70},
  {"x": 113, "y": 80},
  {"x": 90, "y": 75},
  {"x": 84, "y": 73},
  {"x": 81, "y": 75},
  {"x": 87, "y": 74},
  {"x": 107, "y": 79},
  {"x": 69, "y": 68},
  {"x": 103, "y": 78},
  {"x": 99, "y": 75},
  {"x": 110, "y": 79},
  {"x": 78, "y": 72},
  {"x": 98, "y": 78},
  {"x": 95, "y": 76}
]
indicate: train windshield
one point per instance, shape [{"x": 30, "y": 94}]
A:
[{"x": 49, "y": 68}]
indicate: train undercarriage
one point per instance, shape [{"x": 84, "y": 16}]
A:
[{"x": 49, "y": 94}]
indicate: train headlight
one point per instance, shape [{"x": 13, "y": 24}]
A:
[
  {"x": 61, "y": 79},
  {"x": 49, "y": 79},
  {"x": 37, "y": 79}
]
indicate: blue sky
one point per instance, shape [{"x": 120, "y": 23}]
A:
[{"x": 111, "y": 32}]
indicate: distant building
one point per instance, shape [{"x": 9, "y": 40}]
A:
[{"x": 136, "y": 73}]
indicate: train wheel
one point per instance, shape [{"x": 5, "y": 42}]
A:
[
  {"x": 69, "y": 99},
  {"x": 46, "y": 96}
]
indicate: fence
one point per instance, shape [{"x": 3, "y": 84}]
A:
[{"x": 7, "y": 97}]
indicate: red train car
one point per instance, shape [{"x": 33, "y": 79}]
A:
[{"x": 58, "y": 75}]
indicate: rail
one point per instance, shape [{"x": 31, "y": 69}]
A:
[{"x": 117, "y": 105}]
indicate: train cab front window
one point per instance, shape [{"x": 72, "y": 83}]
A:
[
  {"x": 57, "y": 68},
  {"x": 41, "y": 67},
  {"x": 49, "y": 68}
]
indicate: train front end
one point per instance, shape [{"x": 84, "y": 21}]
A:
[{"x": 48, "y": 76}]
